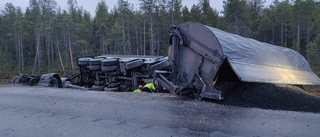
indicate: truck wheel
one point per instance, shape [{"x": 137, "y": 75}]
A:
[
  {"x": 109, "y": 68},
  {"x": 108, "y": 65},
  {"x": 109, "y": 62},
  {"x": 95, "y": 61},
  {"x": 15, "y": 80},
  {"x": 95, "y": 64},
  {"x": 83, "y": 61},
  {"x": 95, "y": 67},
  {"x": 54, "y": 82}
]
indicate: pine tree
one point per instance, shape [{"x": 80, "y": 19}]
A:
[
  {"x": 101, "y": 20},
  {"x": 209, "y": 16},
  {"x": 237, "y": 16}
]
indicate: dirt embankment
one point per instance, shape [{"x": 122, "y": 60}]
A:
[
  {"x": 4, "y": 81},
  {"x": 278, "y": 97}
]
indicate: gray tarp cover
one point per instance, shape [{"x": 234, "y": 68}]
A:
[{"x": 255, "y": 61}]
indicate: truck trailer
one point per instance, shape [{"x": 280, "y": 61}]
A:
[{"x": 204, "y": 62}]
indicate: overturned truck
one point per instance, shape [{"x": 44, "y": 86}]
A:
[
  {"x": 117, "y": 72},
  {"x": 203, "y": 61}
]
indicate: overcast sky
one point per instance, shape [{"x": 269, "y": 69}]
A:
[{"x": 90, "y": 5}]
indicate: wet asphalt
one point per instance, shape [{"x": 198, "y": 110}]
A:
[{"x": 39, "y": 111}]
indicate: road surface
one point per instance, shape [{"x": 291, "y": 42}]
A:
[{"x": 50, "y": 112}]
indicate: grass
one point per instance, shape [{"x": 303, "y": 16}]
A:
[{"x": 6, "y": 76}]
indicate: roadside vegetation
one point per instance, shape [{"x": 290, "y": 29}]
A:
[{"x": 45, "y": 38}]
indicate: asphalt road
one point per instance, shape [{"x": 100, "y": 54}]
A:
[{"x": 50, "y": 112}]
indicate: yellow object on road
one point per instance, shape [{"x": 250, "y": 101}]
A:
[
  {"x": 150, "y": 86},
  {"x": 137, "y": 90}
]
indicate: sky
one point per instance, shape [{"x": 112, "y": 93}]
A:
[{"x": 90, "y": 5}]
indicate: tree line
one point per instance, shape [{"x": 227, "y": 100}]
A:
[{"x": 46, "y": 38}]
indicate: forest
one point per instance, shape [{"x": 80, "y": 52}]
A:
[{"x": 45, "y": 38}]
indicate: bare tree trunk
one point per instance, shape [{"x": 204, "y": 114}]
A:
[
  {"x": 158, "y": 45},
  {"x": 39, "y": 52},
  {"x": 144, "y": 37},
  {"x": 273, "y": 35},
  {"x": 62, "y": 66},
  {"x": 129, "y": 39},
  {"x": 66, "y": 53},
  {"x": 37, "y": 59},
  {"x": 71, "y": 57},
  {"x": 152, "y": 39},
  {"x": 137, "y": 42},
  {"x": 22, "y": 53},
  {"x": 285, "y": 32},
  {"x": 35, "y": 62},
  {"x": 50, "y": 43},
  {"x": 52, "y": 54},
  {"x": 281, "y": 32},
  {"x": 298, "y": 35},
  {"x": 308, "y": 42},
  {"x": 17, "y": 49},
  {"x": 48, "y": 53},
  {"x": 123, "y": 33}
]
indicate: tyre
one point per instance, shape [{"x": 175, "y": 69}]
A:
[
  {"x": 95, "y": 67},
  {"x": 95, "y": 64},
  {"x": 83, "y": 61},
  {"x": 54, "y": 82},
  {"x": 15, "y": 80},
  {"x": 109, "y": 62},
  {"x": 108, "y": 65},
  {"x": 109, "y": 68},
  {"x": 95, "y": 61}
]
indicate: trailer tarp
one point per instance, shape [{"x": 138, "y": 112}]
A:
[{"x": 255, "y": 61}]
